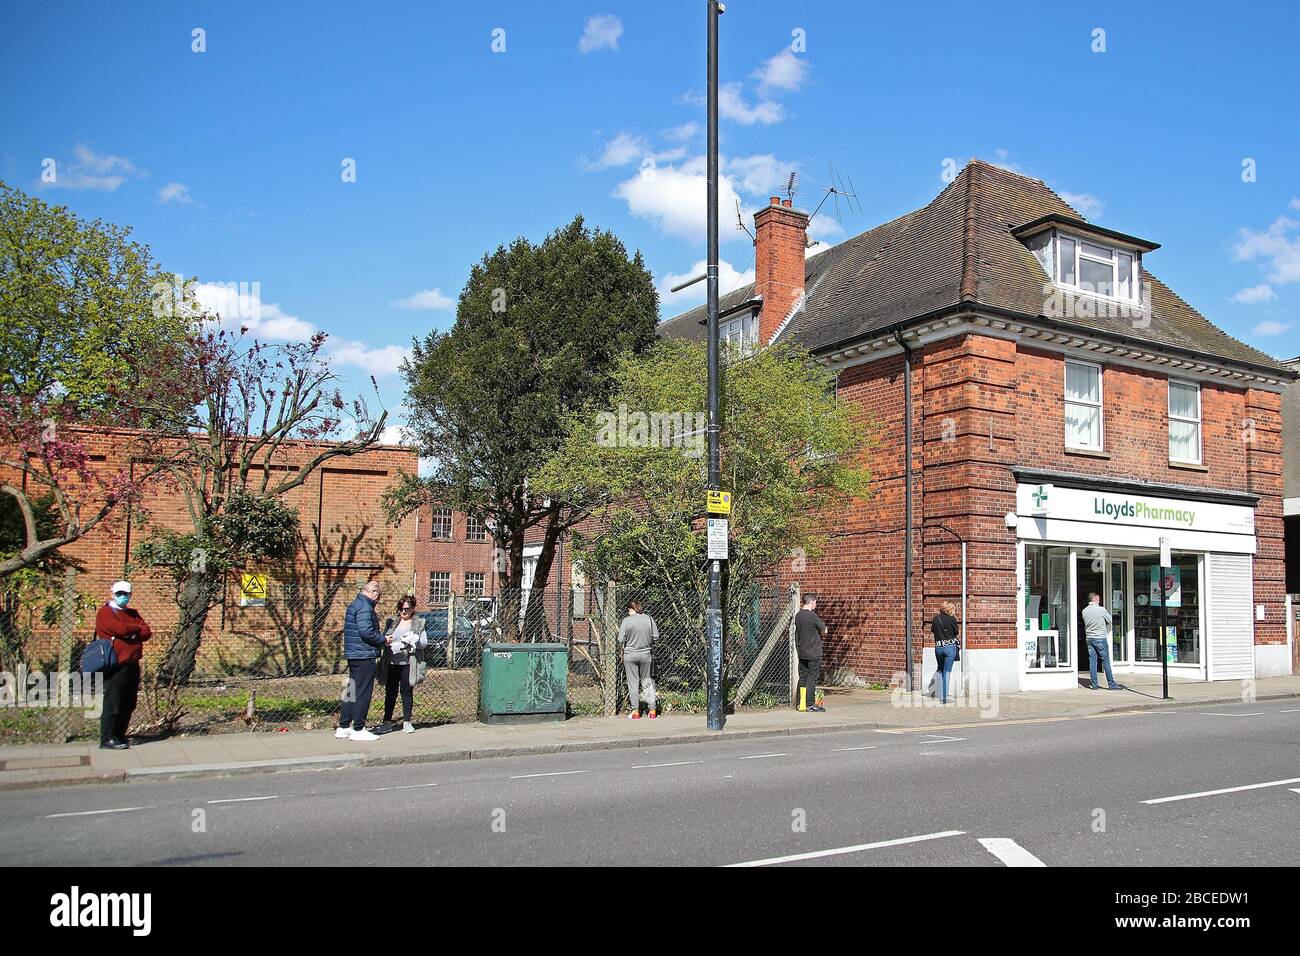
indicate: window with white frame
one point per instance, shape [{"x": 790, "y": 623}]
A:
[
  {"x": 740, "y": 333},
  {"x": 1083, "y": 406},
  {"x": 440, "y": 526},
  {"x": 439, "y": 588},
  {"x": 475, "y": 582},
  {"x": 475, "y": 529},
  {"x": 1184, "y": 422},
  {"x": 1096, "y": 268}
]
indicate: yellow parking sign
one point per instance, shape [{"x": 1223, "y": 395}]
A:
[
  {"x": 252, "y": 590},
  {"x": 719, "y": 502}
]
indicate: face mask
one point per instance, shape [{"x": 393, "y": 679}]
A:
[{"x": 121, "y": 600}]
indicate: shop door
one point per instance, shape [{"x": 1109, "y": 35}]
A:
[
  {"x": 1116, "y": 599},
  {"x": 1090, "y": 575}
]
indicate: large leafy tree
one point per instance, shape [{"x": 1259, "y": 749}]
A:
[
  {"x": 539, "y": 329},
  {"x": 791, "y": 455},
  {"x": 227, "y": 457},
  {"x": 86, "y": 324}
]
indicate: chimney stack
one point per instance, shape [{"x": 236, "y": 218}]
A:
[{"x": 780, "y": 236}]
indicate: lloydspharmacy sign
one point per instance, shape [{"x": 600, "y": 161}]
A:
[{"x": 1137, "y": 509}]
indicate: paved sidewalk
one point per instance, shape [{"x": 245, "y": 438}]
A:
[{"x": 26, "y": 766}]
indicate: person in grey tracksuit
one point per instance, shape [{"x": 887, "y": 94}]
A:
[{"x": 637, "y": 634}]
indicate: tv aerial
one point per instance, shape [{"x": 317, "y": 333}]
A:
[{"x": 836, "y": 191}]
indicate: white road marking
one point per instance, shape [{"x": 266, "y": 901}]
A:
[
  {"x": 651, "y": 766},
  {"x": 1295, "y": 789},
  {"x": 91, "y": 813},
  {"x": 1219, "y": 713},
  {"x": 840, "y": 851},
  {"x": 411, "y": 786},
  {"x": 1215, "y": 793},
  {"x": 1289, "y": 711},
  {"x": 840, "y": 750},
  {"x": 553, "y": 773},
  {"x": 761, "y": 756},
  {"x": 937, "y": 739},
  {"x": 1010, "y": 852},
  {"x": 244, "y": 799}
]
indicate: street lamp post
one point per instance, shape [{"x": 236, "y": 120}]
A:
[{"x": 717, "y": 619}]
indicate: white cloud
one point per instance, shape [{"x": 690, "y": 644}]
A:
[
  {"x": 381, "y": 361},
  {"x": 1002, "y": 157},
  {"x": 1088, "y": 205},
  {"x": 687, "y": 130},
  {"x": 1278, "y": 246},
  {"x": 825, "y": 228},
  {"x": 674, "y": 197},
  {"x": 729, "y": 279},
  {"x": 733, "y": 106},
  {"x": 1270, "y": 327},
  {"x": 602, "y": 33},
  {"x": 1255, "y": 293},
  {"x": 90, "y": 170},
  {"x": 621, "y": 150},
  {"x": 1294, "y": 204},
  {"x": 426, "y": 299},
  {"x": 785, "y": 71},
  {"x": 240, "y": 305},
  {"x": 758, "y": 174},
  {"x": 175, "y": 192}
]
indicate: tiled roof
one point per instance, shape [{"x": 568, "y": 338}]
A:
[{"x": 959, "y": 250}]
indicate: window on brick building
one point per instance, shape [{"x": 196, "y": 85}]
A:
[
  {"x": 1185, "y": 422},
  {"x": 439, "y": 588},
  {"x": 1090, "y": 266},
  {"x": 474, "y": 581},
  {"x": 440, "y": 529},
  {"x": 1083, "y": 426},
  {"x": 740, "y": 333},
  {"x": 475, "y": 529}
]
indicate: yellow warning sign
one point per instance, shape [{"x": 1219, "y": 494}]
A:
[
  {"x": 719, "y": 502},
  {"x": 252, "y": 590}
]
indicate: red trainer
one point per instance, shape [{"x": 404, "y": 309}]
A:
[
  {"x": 653, "y": 715},
  {"x": 635, "y": 715}
]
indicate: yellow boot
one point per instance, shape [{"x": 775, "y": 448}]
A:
[{"x": 803, "y": 699}]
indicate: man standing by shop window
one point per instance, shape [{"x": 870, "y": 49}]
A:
[{"x": 1096, "y": 628}]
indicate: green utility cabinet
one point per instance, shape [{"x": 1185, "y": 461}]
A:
[{"x": 523, "y": 682}]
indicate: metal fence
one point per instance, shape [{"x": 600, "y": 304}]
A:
[{"x": 279, "y": 664}]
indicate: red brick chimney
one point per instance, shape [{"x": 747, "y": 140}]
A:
[{"x": 779, "y": 240}]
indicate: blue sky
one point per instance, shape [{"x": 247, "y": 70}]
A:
[{"x": 228, "y": 162}]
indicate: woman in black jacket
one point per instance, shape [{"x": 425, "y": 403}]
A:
[{"x": 947, "y": 645}]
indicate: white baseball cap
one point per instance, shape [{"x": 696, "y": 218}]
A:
[{"x": 120, "y": 586}]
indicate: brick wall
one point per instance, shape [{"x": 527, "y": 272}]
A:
[{"x": 457, "y": 556}]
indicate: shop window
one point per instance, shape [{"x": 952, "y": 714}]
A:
[
  {"x": 1046, "y": 616},
  {"x": 1083, "y": 406},
  {"x": 1183, "y": 587}
]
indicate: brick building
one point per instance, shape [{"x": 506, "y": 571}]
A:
[
  {"x": 344, "y": 541},
  {"x": 1067, "y": 412},
  {"x": 453, "y": 555}
]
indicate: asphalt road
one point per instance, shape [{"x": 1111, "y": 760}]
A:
[{"x": 1064, "y": 792}]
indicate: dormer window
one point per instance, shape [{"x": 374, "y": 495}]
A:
[
  {"x": 1086, "y": 258},
  {"x": 1095, "y": 268},
  {"x": 740, "y": 333}
]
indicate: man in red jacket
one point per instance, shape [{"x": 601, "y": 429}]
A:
[{"x": 121, "y": 681}]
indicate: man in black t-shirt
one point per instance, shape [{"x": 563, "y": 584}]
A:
[{"x": 809, "y": 630}]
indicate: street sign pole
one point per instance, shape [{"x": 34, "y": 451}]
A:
[
  {"x": 1166, "y": 562},
  {"x": 717, "y": 620}
]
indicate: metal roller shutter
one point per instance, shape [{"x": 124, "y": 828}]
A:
[{"x": 1231, "y": 629}]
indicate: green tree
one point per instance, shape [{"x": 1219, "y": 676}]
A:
[
  {"x": 791, "y": 455},
  {"x": 538, "y": 331},
  {"x": 88, "y": 331}
]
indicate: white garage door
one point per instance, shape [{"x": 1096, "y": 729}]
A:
[{"x": 1232, "y": 631}]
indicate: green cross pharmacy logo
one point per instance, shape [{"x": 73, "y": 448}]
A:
[{"x": 1040, "y": 496}]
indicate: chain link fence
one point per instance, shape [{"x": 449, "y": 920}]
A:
[{"x": 275, "y": 662}]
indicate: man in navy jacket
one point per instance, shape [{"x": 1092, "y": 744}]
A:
[{"x": 363, "y": 642}]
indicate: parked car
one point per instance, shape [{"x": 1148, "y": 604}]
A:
[{"x": 475, "y": 626}]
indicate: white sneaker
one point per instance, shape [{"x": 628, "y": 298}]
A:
[
  {"x": 408, "y": 727},
  {"x": 362, "y": 734},
  {"x": 343, "y": 733}
]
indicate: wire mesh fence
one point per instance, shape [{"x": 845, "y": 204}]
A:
[{"x": 277, "y": 661}]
